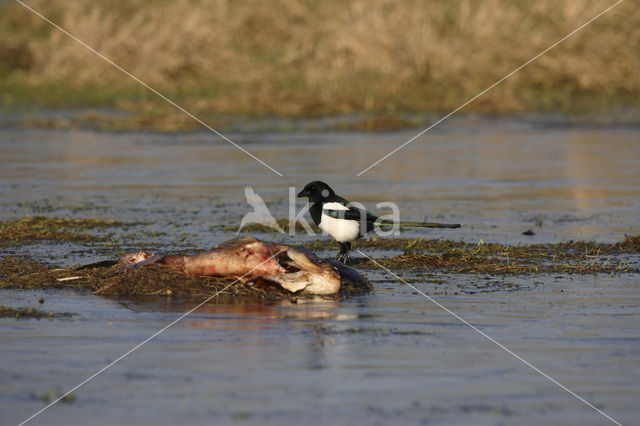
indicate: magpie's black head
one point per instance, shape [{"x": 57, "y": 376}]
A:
[{"x": 316, "y": 191}]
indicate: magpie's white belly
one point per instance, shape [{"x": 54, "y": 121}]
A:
[{"x": 341, "y": 229}]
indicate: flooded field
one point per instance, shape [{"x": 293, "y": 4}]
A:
[{"x": 389, "y": 357}]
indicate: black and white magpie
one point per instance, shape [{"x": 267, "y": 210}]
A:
[{"x": 345, "y": 222}]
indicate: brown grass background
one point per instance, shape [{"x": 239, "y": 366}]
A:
[{"x": 303, "y": 57}]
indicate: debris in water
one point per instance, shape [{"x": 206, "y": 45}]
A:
[{"x": 18, "y": 313}]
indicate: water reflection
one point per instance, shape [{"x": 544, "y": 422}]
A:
[
  {"x": 295, "y": 334},
  {"x": 257, "y": 311}
]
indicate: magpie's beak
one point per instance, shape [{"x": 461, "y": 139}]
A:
[{"x": 303, "y": 193}]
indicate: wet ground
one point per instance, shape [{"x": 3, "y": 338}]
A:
[{"x": 389, "y": 357}]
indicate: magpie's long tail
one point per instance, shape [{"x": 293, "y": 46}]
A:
[{"x": 403, "y": 224}]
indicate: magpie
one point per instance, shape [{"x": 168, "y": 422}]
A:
[{"x": 345, "y": 222}]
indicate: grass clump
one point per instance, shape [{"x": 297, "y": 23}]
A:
[
  {"x": 404, "y": 244},
  {"x": 27, "y": 229},
  {"x": 108, "y": 281},
  {"x": 11, "y": 266},
  {"x": 283, "y": 223},
  {"x": 53, "y": 394},
  {"x": 24, "y": 313},
  {"x": 631, "y": 243},
  {"x": 580, "y": 257}
]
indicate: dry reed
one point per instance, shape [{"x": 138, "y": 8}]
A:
[{"x": 301, "y": 57}]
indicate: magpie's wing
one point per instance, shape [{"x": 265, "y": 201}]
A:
[{"x": 351, "y": 213}]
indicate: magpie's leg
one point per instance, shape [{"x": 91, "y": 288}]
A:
[{"x": 343, "y": 255}]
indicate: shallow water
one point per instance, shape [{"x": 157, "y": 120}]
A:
[
  {"x": 498, "y": 177},
  {"x": 389, "y": 357}
]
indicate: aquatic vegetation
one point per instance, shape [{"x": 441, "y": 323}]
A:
[
  {"x": 421, "y": 256},
  {"x": 27, "y": 229},
  {"x": 582, "y": 257},
  {"x": 257, "y": 227},
  {"x": 53, "y": 394},
  {"x": 22, "y": 313},
  {"x": 416, "y": 256},
  {"x": 403, "y": 244},
  {"x": 11, "y": 266}
]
